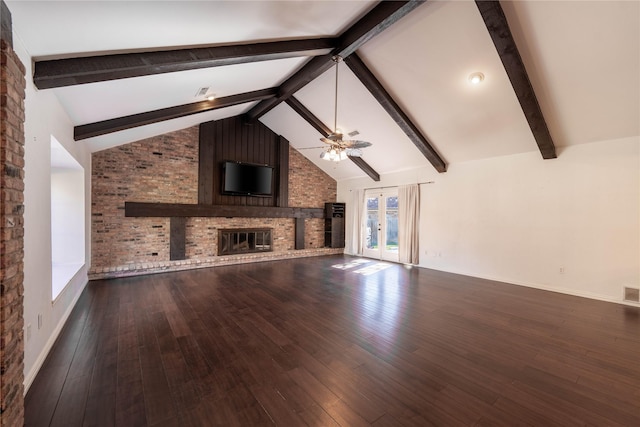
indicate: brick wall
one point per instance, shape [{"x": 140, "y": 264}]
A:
[
  {"x": 12, "y": 92},
  {"x": 159, "y": 169},
  {"x": 165, "y": 169},
  {"x": 310, "y": 187}
]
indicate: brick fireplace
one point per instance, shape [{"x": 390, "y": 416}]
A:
[{"x": 166, "y": 171}]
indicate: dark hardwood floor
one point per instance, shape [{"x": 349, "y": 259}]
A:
[{"x": 301, "y": 342}]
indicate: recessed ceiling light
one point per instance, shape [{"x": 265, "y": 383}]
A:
[{"x": 476, "y": 78}]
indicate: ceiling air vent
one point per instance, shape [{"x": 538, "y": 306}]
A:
[
  {"x": 631, "y": 294},
  {"x": 202, "y": 92},
  {"x": 354, "y": 133}
]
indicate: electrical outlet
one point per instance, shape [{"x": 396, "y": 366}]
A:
[
  {"x": 561, "y": 270},
  {"x": 39, "y": 321},
  {"x": 631, "y": 294}
]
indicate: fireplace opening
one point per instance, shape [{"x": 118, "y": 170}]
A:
[{"x": 244, "y": 240}]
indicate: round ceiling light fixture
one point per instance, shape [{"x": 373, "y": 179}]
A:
[{"x": 476, "y": 78}]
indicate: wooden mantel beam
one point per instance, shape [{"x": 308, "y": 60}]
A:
[
  {"x": 168, "y": 210},
  {"x": 496, "y": 23},
  {"x": 80, "y": 70}
]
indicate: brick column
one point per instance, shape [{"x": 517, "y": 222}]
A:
[{"x": 12, "y": 92}]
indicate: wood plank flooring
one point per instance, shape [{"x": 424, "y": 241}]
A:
[{"x": 301, "y": 342}]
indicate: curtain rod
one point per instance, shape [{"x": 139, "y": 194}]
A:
[{"x": 394, "y": 186}]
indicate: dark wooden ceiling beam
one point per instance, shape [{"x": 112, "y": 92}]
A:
[
  {"x": 496, "y": 23},
  {"x": 383, "y": 15},
  {"x": 311, "y": 70},
  {"x": 311, "y": 118},
  {"x": 6, "y": 27},
  {"x": 73, "y": 71},
  {"x": 324, "y": 130},
  {"x": 127, "y": 122},
  {"x": 366, "y": 168},
  {"x": 367, "y": 78}
]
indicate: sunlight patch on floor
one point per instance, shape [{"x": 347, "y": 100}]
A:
[
  {"x": 352, "y": 264},
  {"x": 372, "y": 269},
  {"x": 365, "y": 271}
]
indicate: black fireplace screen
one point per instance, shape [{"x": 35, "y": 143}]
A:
[{"x": 245, "y": 240}]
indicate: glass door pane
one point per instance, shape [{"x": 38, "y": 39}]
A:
[
  {"x": 381, "y": 228},
  {"x": 373, "y": 221},
  {"x": 391, "y": 229}
]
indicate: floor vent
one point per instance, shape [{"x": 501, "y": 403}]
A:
[{"x": 631, "y": 294}]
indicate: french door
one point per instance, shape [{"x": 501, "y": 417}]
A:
[{"x": 381, "y": 224}]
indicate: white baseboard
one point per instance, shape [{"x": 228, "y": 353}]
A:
[
  {"x": 565, "y": 291},
  {"x": 33, "y": 372}
]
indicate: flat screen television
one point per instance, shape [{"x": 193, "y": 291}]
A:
[{"x": 246, "y": 179}]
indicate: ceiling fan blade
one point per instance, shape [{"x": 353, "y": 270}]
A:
[
  {"x": 310, "y": 148},
  {"x": 328, "y": 141},
  {"x": 356, "y": 144}
]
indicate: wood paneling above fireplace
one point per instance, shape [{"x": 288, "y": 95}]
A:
[{"x": 235, "y": 140}]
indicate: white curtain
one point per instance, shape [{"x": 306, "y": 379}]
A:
[
  {"x": 355, "y": 211},
  {"x": 408, "y": 223}
]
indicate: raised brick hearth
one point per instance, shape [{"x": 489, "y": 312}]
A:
[{"x": 136, "y": 269}]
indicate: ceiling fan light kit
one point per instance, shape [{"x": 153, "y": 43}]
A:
[
  {"x": 333, "y": 154},
  {"x": 339, "y": 149}
]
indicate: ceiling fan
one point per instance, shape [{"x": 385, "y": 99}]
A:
[{"x": 337, "y": 148}]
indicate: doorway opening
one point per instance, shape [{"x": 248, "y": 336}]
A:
[{"x": 381, "y": 224}]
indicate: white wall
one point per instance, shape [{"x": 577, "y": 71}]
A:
[
  {"x": 67, "y": 212},
  {"x": 520, "y": 219},
  {"x": 45, "y": 117}
]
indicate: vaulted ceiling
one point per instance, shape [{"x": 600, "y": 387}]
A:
[{"x": 566, "y": 73}]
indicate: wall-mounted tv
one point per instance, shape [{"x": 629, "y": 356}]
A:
[{"x": 246, "y": 179}]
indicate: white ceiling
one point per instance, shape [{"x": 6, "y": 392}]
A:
[{"x": 583, "y": 58}]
